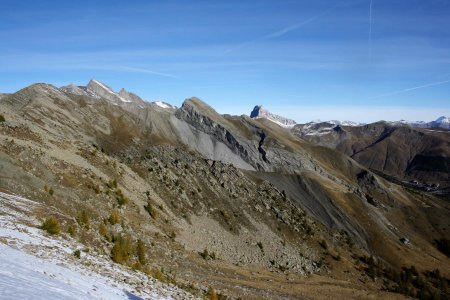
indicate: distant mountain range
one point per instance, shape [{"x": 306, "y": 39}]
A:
[
  {"x": 260, "y": 112},
  {"x": 402, "y": 149},
  {"x": 96, "y": 89},
  {"x": 414, "y": 151},
  {"x": 441, "y": 122}
]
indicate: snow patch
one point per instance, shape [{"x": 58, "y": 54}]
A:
[
  {"x": 34, "y": 266},
  {"x": 161, "y": 104},
  {"x": 276, "y": 122}
]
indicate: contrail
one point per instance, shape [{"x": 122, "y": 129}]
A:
[
  {"x": 287, "y": 29},
  {"x": 282, "y": 31},
  {"x": 412, "y": 89},
  {"x": 370, "y": 32},
  {"x": 131, "y": 69},
  {"x": 426, "y": 85}
]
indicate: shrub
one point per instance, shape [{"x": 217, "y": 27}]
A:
[
  {"x": 444, "y": 246},
  {"x": 51, "y": 191},
  {"x": 2, "y": 119},
  {"x": 151, "y": 210},
  {"x": 77, "y": 253},
  {"x": 120, "y": 253},
  {"x": 114, "y": 218},
  {"x": 158, "y": 275},
  {"x": 136, "y": 266},
  {"x": 51, "y": 225},
  {"x": 204, "y": 254},
  {"x": 140, "y": 249},
  {"x": 102, "y": 229},
  {"x": 323, "y": 244},
  {"x": 96, "y": 188},
  {"x": 112, "y": 184},
  {"x": 337, "y": 257},
  {"x": 72, "y": 231},
  {"x": 260, "y": 245},
  {"x": 121, "y": 198},
  {"x": 212, "y": 295},
  {"x": 207, "y": 255},
  {"x": 225, "y": 215},
  {"x": 83, "y": 219}
]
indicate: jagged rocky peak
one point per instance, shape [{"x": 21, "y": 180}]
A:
[
  {"x": 98, "y": 88},
  {"x": 200, "y": 106},
  {"x": 260, "y": 112},
  {"x": 193, "y": 110},
  {"x": 131, "y": 97},
  {"x": 73, "y": 89},
  {"x": 196, "y": 102}
]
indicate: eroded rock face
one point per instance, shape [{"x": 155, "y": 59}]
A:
[
  {"x": 252, "y": 149},
  {"x": 192, "y": 114}
]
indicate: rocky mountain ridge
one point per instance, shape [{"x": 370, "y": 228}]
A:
[
  {"x": 99, "y": 90},
  {"x": 409, "y": 154},
  {"x": 231, "y": 202}
]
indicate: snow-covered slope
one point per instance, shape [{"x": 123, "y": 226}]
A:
[
  {"x": 260, "y": 112},
  {"x": 34, "y": 266},
  {"x": 315, "y": 128},
  {"x": 441, "y": 122},
  {"x": 319, "y": 128}
]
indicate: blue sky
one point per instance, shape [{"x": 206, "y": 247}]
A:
[{"x": 358, "y": 59}]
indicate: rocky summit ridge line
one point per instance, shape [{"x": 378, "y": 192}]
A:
[{"x": 260, "y": 112}]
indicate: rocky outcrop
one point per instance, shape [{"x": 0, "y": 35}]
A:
[{"x": 204, "y": 119}]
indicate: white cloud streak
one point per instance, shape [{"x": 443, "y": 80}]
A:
[
  {"x": 146, "y": 71},
  {"x": 411, "y": 89},
  {"x": 282, "y": 31}
]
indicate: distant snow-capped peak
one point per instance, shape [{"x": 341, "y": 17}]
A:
[
  {"x": 441, "y": 122},
  {"x": 336, "y": 122}
]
